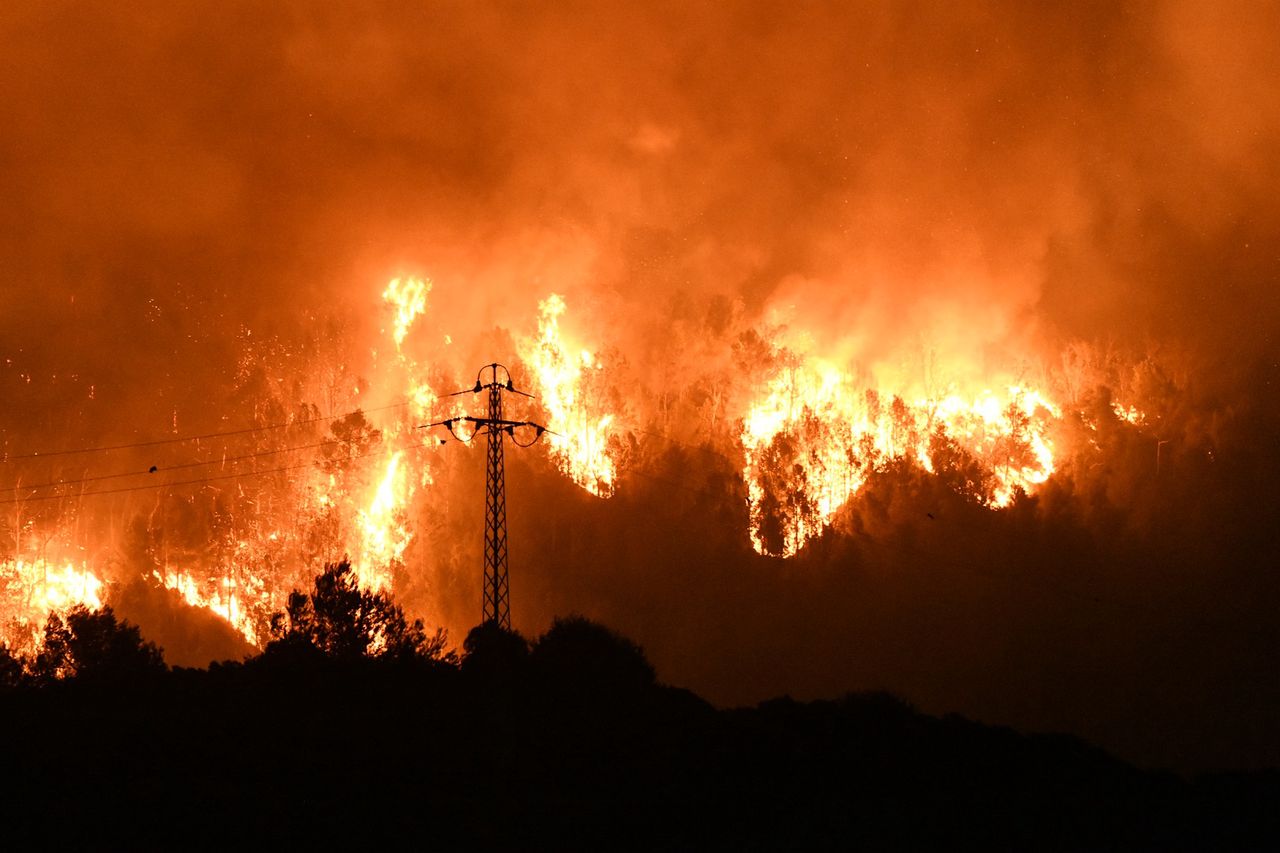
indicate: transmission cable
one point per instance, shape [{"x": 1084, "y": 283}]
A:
[
  {"x": 197, "y": 481},
  {"x": 179, "y": 439},
  {"x": 155, "y": 468}
]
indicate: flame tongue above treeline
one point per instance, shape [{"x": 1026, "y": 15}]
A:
[
  {"x": 814, "y": 436},
  {"x": 807, "y": 435},
  {"x": 582, "y": 424},
  {"x": 31, "y": 589}
]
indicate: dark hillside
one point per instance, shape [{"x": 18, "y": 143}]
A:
[{"x": 569, "y": 744}]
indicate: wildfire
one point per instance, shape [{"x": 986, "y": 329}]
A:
[
  {"x": 1129, "y": 414},
  {"x": 812, "y": 437},
  {"x": 32, "y": 589},
  {"x": 329, "y": 511},
  {"x": 409, "y": 296},
  {"x": 242, "y": 601},
  {"x": 579, "y": 442},
  {"x": 383, "y": 530}
]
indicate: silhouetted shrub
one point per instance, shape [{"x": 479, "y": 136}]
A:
[
  {"x": 491, "y": 650},
  {"x": 93, "y": 645},
  {"x": 876, "y": 704},
  {"x": 341, "y": 620},
  {"x": 584, "y": 654},
  {"x": 12, "y": 670}
]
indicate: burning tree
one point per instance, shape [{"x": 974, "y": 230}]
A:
[{"x": 341, "y": 620}]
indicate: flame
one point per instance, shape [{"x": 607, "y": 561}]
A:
[
  {"x": 812, "y": 437},
  {"x": 580, "y": 441},
  {"x": 326, "y": 511},
  {"x": 242, "y": 601},
  {"x": 242, "y": 593},
  {"x": 409, "y": 296},
  {"x": 409, "y": 299},
  {"x": 1129, "y": 414},
  {"x": 384, "y": 534},
  {"x": 31, "y": 589}
]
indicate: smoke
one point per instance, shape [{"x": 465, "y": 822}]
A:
[
  {"x": 872, "y": 173},
  {"x": 203, "y": 206}
]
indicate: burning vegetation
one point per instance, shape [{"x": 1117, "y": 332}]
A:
[{"x": 231, "y": 532}]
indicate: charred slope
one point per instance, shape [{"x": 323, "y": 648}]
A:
[{"x": 540, "y": 751}]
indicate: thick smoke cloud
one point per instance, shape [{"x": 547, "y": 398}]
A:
[
  {"x": 879, "y": 167},
  {"x": 993, "y": 183}
]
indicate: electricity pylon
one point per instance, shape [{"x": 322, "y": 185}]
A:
[{"x": 496, "y": 605}]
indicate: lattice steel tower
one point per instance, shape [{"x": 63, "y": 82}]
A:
[{"x": 496, "y": 604}]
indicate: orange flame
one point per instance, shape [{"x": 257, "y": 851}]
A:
[
  {"x": 1129, "y": 414},
  {"x": 409, "y": 296},
  {"x": 242, "y": 601},
  {"x": 384, "y": 533},
  {"x": 31, "y": 589},
  {"x": 812, "y": 437},
  {"x": 580, "y": 442}
]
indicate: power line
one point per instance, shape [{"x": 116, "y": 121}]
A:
[
  {"x": 179, "y": 439},
  {"x": 220, "y": 461},
  {"x": 237, "y": 476}
]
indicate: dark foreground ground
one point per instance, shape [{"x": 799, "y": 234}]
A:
[{"x": 361, "y": 754}]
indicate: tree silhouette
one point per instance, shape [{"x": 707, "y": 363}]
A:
[
  {"x": 350, "y": 437},
  {"x": 341, "y": 620},
  {"x": 587, "y": 655},
  {"x": 491, "y": 650},
  {"x": 958, "y": 467},
  {"x": 94, "y": 645},
  {"x": 13, "y": 672}
]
